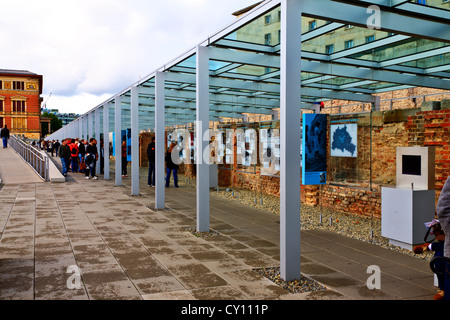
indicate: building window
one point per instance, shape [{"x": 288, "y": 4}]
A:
[
  {"x": 19, "y": 106},
  {"x": 424, "y": 2},
  {"x": 1, "y": 105},
  {"x": 1, "y": 122},
  {"x": 18, "y": 85},
  {"x": 349, "y": 44},
  {"x": 268, "y": 19},
  {"x": 312, "y": 25},
  {"x": 1, "y": 84},
  {"x": 329, "y": 49},
  {"x": 370, "y": 39},
  {"x": 18, "y": 123},
  {"x": 268, "y": 39}
]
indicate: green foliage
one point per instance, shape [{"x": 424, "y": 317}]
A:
[{"x": 55, "y": 123}]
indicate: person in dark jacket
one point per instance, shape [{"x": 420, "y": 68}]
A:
[
  {"x": 91, "y": 159},
  {"x": 151, "y": 163},
  {"x": 4, "y": 134},
  {"x": 64, "y": 154},
  {"x": 81, "y": 155},
  {"x": 124, "y": 159},
  {"x": 171, "y": 167},
  {"x": 443, "y": 214},
  {"x": 56, "y": 146}
]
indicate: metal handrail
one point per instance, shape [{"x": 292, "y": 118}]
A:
[{"x": 38, "y": 160}]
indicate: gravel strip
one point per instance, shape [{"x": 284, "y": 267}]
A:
[
  {"x": 305, "y": 284},
  {"x": 198, "y": 234}
]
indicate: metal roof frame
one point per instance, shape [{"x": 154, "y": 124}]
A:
[{"x": 236, "y": 93}]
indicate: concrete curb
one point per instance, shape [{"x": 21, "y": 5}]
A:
[{"x": 55, "y": 176}]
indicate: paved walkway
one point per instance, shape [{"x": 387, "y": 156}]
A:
[
  {"x": 126, "y": 250},
  {"x": 13, "y": 170}
]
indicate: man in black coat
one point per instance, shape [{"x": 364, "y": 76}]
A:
[
  {"x": 4, "y": 134},
  {"x": 151, "y": 163}
]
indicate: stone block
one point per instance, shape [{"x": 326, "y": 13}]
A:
[
  {"x": 399, "y": 115},
  {"x": 431, "y": 106},
  {"x": 445, "y": 104}
]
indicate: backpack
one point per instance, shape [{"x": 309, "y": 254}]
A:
[{"x": 73, "y": 151}]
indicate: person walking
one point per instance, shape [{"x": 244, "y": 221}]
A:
[
  {"x": 4, "y": 134},
  {"x": 124, "y": 159},
  {"x": 151, "y": 162},
  {"x": 64, "y": 154},
  {"x": 91, "y": 159},
  {"x": 171, "y": 167}
]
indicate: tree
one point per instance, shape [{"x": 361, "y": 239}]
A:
[{"x": 55, "y": 123}]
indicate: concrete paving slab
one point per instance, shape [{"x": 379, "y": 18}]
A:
[{"x": 14, "y": 170}]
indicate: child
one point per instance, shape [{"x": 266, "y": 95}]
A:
[{"x": 437, "y": 246}]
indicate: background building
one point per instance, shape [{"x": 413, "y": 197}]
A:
[
  {"x": 20, "y": 102},
  {"x": 66, "y": 118}
]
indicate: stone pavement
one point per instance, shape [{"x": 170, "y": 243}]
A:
[
  {"x": 125, "y": 250},
  {"x": 14, "y": 170}
]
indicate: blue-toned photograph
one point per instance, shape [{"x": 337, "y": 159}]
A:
[{"x": 314, "y": 161}]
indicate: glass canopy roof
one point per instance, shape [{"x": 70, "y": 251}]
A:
[{"x": 343, "y": 58}]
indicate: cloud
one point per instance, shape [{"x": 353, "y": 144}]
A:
[
  {"x": 88, "y": 48},
  {"x": 78, "y": 103}
]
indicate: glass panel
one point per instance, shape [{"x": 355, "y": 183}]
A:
[
  {"x": 341, "y": 39},
  {"x": 441, "y": 4},
  {"x": 399, "y": 49},
  {"x": 350, "y": 150}
]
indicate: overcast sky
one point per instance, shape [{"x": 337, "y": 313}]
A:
[{"x": 89, "y": 50}]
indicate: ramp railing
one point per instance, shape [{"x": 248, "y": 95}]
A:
[{"x": 38, "y": 160}]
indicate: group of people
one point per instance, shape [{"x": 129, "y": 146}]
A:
[
  {"x": 79, "y": 156},
  {"x": 51, "y": 146},
  {"x": 171, "y": 167}
]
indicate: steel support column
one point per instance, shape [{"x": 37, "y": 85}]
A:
[
  {"x": 202, "y": 144},
  {"x": 134, "y": 141},
  {"x": 97, "y": 138},
  {"x": 85, "y": 123},
  {"x": 160, "y": 195},
  {"x": 289, "y": 137},
  {"x": 80, "y": 128},
  {"x": 118, "y": 139},
  {"x": 106, "y": 141}
]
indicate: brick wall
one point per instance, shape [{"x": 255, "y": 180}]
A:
[{"x": 432, "y": 129}]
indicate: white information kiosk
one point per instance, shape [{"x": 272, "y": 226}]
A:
[{"x": 405, "y": 208}]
